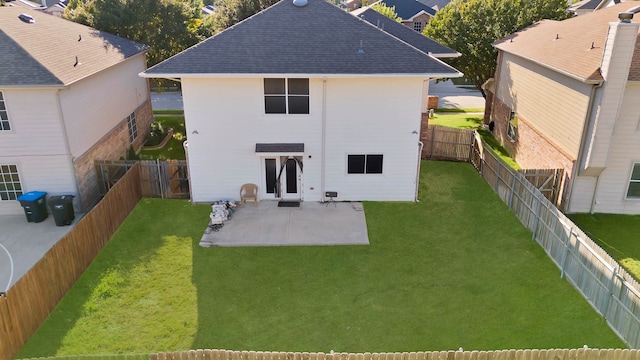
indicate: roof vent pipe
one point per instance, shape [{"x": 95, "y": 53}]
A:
[
  {"x": 300, "y": 3},
  {"x": 625, "y": 17}
]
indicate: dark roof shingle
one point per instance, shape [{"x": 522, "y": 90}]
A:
[
  {"x": 407, "y": 9},
  {"x": 404, "y": 33},
  {"x": 44, "y": 53},
  {"x": 319, "y": 38}
]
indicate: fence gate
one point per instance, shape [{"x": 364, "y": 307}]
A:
[
  {"x": 548, "y": 181},
  {"x": 158, "y": 178}
]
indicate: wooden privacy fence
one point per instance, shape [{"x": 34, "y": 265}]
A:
[
  {"x": 607, "y": 287},
  {"x": 564, "y": 354},
  {"x": 31, "y": 299},
  {"x": 158, "y": 178}
]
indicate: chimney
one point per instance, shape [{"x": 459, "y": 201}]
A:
[{"x": 616, "y": 61}]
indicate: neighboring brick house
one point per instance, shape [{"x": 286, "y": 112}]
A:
[
  {"x": 69, "y": 94},
  {"x": 566, "y": 95},
  {"x": 414, "y": 14}
]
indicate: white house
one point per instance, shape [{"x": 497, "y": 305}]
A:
[
  {"x": 286, "y": 101},
  {"x": 69, "y": 94},
  {"x": 567, "y": 95}
]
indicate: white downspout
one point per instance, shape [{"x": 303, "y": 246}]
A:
[
  {"x": 324, "y": 138},
  {"x": 420, "y": 147}
]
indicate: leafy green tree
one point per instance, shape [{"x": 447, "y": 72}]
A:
[
  {"x": 388, "y": 11},
  {"x": 472, "y": 26},
  {"x": 231, "y": 12},
  {"x": 167, "y": 26}
]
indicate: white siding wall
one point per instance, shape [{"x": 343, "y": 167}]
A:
[
  {"x": 94, "y": 106},
  {"x": 228, "y": 115},
  {"x": 623, "y": 152},
  {"x": 373, "y": 116},
  {"x": 555, "y": 104},
  {"x": 582, "y": 190},
  {"x": 35, "y": 144}
]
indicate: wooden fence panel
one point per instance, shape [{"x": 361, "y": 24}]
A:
[
  {"x": 31, "y": 299},
  {"x": 553, "y": 354},
  {"x": 158, "y": 178}
]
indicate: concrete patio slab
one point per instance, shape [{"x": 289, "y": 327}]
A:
[
  {"x": 27, "y": 243},
  {"x": 313, "y": 223}
]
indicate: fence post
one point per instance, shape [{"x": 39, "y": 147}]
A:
[
  {"x": 433, "y": 140},
  {"x": 497, "y": 174},
  {"x": 513, "y": 189},
  {"x": 535, "y": 224},
  {"x": 566, "y": 252},
  {"x": 159, "y": 178},
  {"x": 614, "y": 273}
]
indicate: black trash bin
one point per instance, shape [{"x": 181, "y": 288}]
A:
[
  {"x": 35, "y": 205},
  {"x": 62, "y": 209}
]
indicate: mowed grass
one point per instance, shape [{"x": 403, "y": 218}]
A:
[
  {"x": 454, "y": 270},
  {"x": 616, "y": 234}
]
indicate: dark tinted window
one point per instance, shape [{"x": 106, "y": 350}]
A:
[
  {"x": 298, "y": 104},
  {"x": 374, "y": 164},
  {"x": 275, "y": 105},
  {"x": 298, "y": 86},
  {"x": 270, "y": 169},
  {"x": 355, "y": 164},
  {"x": 274, "y": 86}
]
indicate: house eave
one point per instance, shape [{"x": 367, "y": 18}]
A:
[
  {"x": 34, "y": 87},
  {"x": 280, "y": 75},
  {"x": 559, "y": 71}
]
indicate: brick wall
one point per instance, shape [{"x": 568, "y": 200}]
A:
[
  {"x": 113, "y": 146},
  {"x": 424, "y": 128},
  {"x": 531, "y": 149}
]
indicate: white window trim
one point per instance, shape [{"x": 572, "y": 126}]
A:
[
  {"x": 626, "y": 193},
  {"x": 132, "y": 127},
  {"x": 19, "y": 180},
  {"x": 512, "y": 117},
  {"x": 6, "y": 111},
  {"x": 286, "y": 96}
]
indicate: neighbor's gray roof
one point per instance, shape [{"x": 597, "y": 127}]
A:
[
  {"x": 44, "y": 53},
  {"x": 407, "y": 9},
  {"x": 317, "y": 39},
  {"x": 404, "y": 33}
]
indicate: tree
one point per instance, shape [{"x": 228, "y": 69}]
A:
[
  {"x": 231, "y": 12},
  {"x": 388, "y": 11},
  {"x": 167, "y": 26},
  {"x": 472, "y": 26}
]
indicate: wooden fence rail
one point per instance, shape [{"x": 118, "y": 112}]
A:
[
  {"x": 28, "y": 303},
  {"x": 533, "y": 195},
  {"x": 563, "y": 354}
]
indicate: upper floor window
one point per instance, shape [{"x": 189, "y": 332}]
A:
[
  {"x": 133, "y": 127},
  {"x": 4, "y": 116},
  {"x": 286, "y": 96},
  {"x": 417, "y": 26},
  {"x": 10, "y": 187},
  {"x": 364, "y": 164},
  {"x": 633, "y": 192},
  {"x": 512, "y": 127}
]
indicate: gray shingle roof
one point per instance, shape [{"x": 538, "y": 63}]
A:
[
  {"x": 318, "y": 38},
  {"x": 279, "y": 147},
  {"x": 44, "y": 53},
  {"x": 407, "y": 9},
  {"x": 404, "y": 33}
]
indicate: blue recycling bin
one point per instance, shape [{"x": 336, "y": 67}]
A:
[{"x": 35, "y": 205}]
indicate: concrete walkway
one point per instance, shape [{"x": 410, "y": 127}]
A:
[
  {"x": 313, "y": 223},
  {"x": 27, "y": 243}
]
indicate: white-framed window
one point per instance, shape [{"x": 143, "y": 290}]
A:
[
  {"x": 286, "y": 96},
  {"x": 10, "y": 187},
  {"x": 417, "y": 26},
  {"x": 512, "y": 127},
  {"x": 4, "y": 115},
  {"x": 133, "y": 127},
  {"x": 633, "y": 191},
  {"x": 364, "y": 164}
]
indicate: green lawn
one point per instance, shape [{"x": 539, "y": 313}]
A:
[
  {"x": 616, "y": 234},
  {"x": 173, "y": 149},
  {"x": 454, "y": 270}
]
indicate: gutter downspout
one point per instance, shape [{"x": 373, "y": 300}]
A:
[
  {"x": 68, "y": 147},
  {"x": 420, "y": 147},
  {"x": 588, "y": 126},
  {"x": 324, "y": 139}
]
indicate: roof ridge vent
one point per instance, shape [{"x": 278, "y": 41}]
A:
[
  {"x": 300, "y": 3},
  {"x": 27, "y": 18}
]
